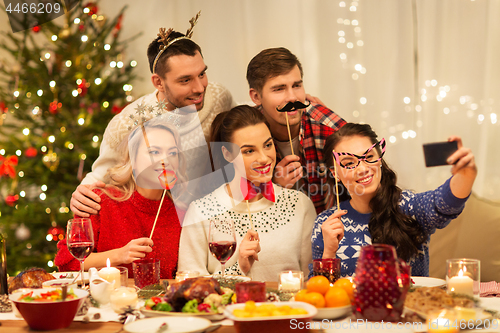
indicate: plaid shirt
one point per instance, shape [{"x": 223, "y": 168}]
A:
[{"x": 318, "y": 122}]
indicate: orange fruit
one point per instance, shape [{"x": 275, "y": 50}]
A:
[
  {"x": 301, "y": 295},
  {"x": 315, "y": 299},
  {"x": 336, "y": 297},
  {"x": 319, "y": 284},
  {"x": 346, "y": 285}
]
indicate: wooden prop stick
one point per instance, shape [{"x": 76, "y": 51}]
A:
[
  {"x": 336, "y": 181},
  {"x": 250, "y": 215},
  {"x": 161, "y": 202},
  {"x": 289, "y": 134}
]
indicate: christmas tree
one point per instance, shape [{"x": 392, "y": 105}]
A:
[{"x": 62, "y": 83}]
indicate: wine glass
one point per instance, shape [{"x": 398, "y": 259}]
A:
[
  {"x": 80, "y": 240},
  {"x": 222, "y": 241}
]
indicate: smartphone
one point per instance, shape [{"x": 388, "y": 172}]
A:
[{"x": 437, "y": 153}]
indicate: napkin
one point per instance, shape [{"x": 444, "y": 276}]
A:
[{"x": 489, "y": 289}]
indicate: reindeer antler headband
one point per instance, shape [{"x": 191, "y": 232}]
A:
[{"x": 164, "y": 34}]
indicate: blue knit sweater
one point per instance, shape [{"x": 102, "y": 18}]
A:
[{"x": 432, "y": 209}]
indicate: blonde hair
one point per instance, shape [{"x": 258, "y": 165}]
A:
[{"x": 121, "y": 178}]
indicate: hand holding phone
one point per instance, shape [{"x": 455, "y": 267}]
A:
[{"x": 438, "y": 152}]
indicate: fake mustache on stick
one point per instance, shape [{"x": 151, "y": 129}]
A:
[{"x": 292, "y": 106}]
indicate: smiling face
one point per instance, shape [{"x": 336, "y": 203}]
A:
[
  {"x": 364, "y": 180},
  {"x": 148, "y": 162},
  {"x": 277, "y": 91},
  {"x": 258, "y": 153},
  {"x": 185, "y": 83}
]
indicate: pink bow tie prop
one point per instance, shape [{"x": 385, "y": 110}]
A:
[
  {"x": 251, "y": 190},
  {"x": 167, "y": 179}
]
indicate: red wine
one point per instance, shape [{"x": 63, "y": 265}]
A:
[
  {"x": 80, "y": 250},
  {"x": 222, "y": 250}
]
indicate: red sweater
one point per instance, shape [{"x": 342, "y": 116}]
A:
[{"x": 119, "y": 222}]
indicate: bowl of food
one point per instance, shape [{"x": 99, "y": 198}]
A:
[
  {"x": 44, "y": 309},
  {"x": 283, "y": 317}
]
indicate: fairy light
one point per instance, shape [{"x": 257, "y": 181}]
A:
[
  {"x": 52, "y": 84},
  {"x": 85, "y": 38},
  {"x": 355, "y": 76},
  {"x": 358, "y": 67},
  {"x": 354, "y": 22},
  {"x": 341, "y": 40},
  {"x": 360, "y": 43},
  {"x": 406, "y": 100},
  {"x": 98, "y": 81},
  {"x": 107, "y": 47},
  {"x": 47, "y": 55},
  {"x": 54, "y": 38},
  {"x": 43, "y": 149},
  {"x": 68, "y": 63},
  {"x": 95, "y": 138},
  {"x": 352, "y": 8},
  {"x": 133, "y": 63},
  {"x": 350, "y": 45},
  {"x": 112, "y": 64},
  {"x": 119, "y": 64},
  {"x": 83, "y": 157},
  {"x": 22, "y": 194},
  {"x": 81, "y": 121},
  {"x": 434, "y": 83},
  {"x": 77, "y": 20},
  {"x": 39, "y": 92},
  {"x": 71, "y": 146},
  {"x": 43, "y": 196},
  {"x": 405, "y": 135},
  {"x": 105, "y": 104},
  {"x": 412, "y": 134},
  {"x": 86, "y": 10},
  {"x": 74, "y": 93},
  {"x": 52, "y": 139},
  {"x": 18, "y": 152},
  {"x": 129, "y": 98},
  {"x": 16, "y": 93},
  {"x": 341, "y": 4},
  {"x": 50, "y": 263},
  {"x": 47, "y": 210},
  {"x": 2, "y": 152},
  {"x": 493, "y": 118},
  {"x": 21, "y": 174},
  {"x": 392, "y": 139}
]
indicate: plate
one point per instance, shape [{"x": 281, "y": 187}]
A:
[
  {"x": 311, "y": 312},
  {"x": 481, "y": 315},
  {"x": 175, "y": 324},
  {"x": 72, "y": 275},
  {"x": 422, "y": 281},
  {"x": 333, "y": 313},
  {"x": 154, "y": 313}
]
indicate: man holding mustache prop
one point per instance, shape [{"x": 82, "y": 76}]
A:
[{"x": 276, "y": 87}]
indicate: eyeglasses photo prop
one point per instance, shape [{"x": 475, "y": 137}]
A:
[{"x": 371, "y": 155}]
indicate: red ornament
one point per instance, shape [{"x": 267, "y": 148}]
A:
[
  {"x": 81, "y": 27},
  {"x": 82, "y": 88},
  {"x": 3, "y": 107},
  {"x": 54, "y": 106},
  {"x": 92, "y": 8},
  {"x": 118, "y": 26},
  {"x": 7, "y": 166},
  {"x": 36, "y": 28},
  {"x": 117, "y": 109},
  {"x": 31, "y": 152},
  {"x": 56, "y": 233},
  {"x": 11, "y": 200}
]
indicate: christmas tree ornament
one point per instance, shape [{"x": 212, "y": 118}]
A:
[
  {"x": 56, "y": 233},
  {"x": 23, "y": 233},
  {"x": 11, "y": 200},
  {"x": 8, "y": 166},
  {"x": 82, "y": 88},
  {"x": 36, "y": 28},
  {"x": 65, "y": 33},
  {"x": 51, "y": 160},
  {"x": 31, "y": 152},
  {"x": 91, "y": 9}
]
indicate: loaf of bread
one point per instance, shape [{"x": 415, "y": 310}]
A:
[{"x": 30, "y": 278}]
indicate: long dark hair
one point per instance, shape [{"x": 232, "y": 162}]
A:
[
  {"x": 224, "y": 126},
  {"x": 388, "y": 224}
]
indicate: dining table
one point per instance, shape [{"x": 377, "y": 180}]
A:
[{"x": 346, "y": 324}]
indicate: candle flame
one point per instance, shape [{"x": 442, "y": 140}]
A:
[
  {"x": 108, "y": 263},
  {"x": 290, "y": 274},
  {"x": 460, "y": 272}
]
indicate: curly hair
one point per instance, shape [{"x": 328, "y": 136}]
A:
[{"x": 388, "y": 224}]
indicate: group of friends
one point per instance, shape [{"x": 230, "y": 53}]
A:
[{"x": 293, "y": 153}]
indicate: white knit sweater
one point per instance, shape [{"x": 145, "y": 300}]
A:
[
  {"x": 217, "y": 100},
  {"x": 284, "y": 229}
]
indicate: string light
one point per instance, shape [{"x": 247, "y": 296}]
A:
[
  {"x": 52, "y": 139},
  {"x": 39, "y": 92},
  {"x": 18, "y": 152},
  {"x": 98, "y": 81},
  {"x": 112, "y": 64},
  {"x": 105, "y": 104},
  {"x": 44, "y": 187},
  {"x": 107, "y": 47},
  {"x": 21, "y": 174},
  {"x": 2, "y": 151},
  {"x": 85, "y": 38},
  {"x": 22, "y": 194},
  {"x": 16, "y": 93},
  {"x": 133, "y": 63},
  {"x": 77, "y": 20},
  {"x": 95, "y": 138},
  {"x": 26, "y": 131},
  {"x": 81, "y": 121},
  {"x": 43, "y": 149},
  {"x": 43, "y": 196},
  {"x": 54, "y": 38},
  {"x": 68, "y": 63},
  {"x": 52, "y": 84},
  {"x": 119, "y": 64}
]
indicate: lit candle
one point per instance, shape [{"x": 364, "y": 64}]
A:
[
  {"x": 122, "y": 297},
  {"x": 461, "y": 284},
  {"x": 110, "y": 274},
  {"x": 291, "y": 280}
]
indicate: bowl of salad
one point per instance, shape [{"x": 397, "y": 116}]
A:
[{"x": 44, "y": 309}]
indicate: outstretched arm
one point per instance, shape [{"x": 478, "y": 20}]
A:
[{"x": 464, "y": 170}]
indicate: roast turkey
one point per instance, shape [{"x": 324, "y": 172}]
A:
[
  {"x": 179, "y": 293},
  {"x": 30, "y": 278}
]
